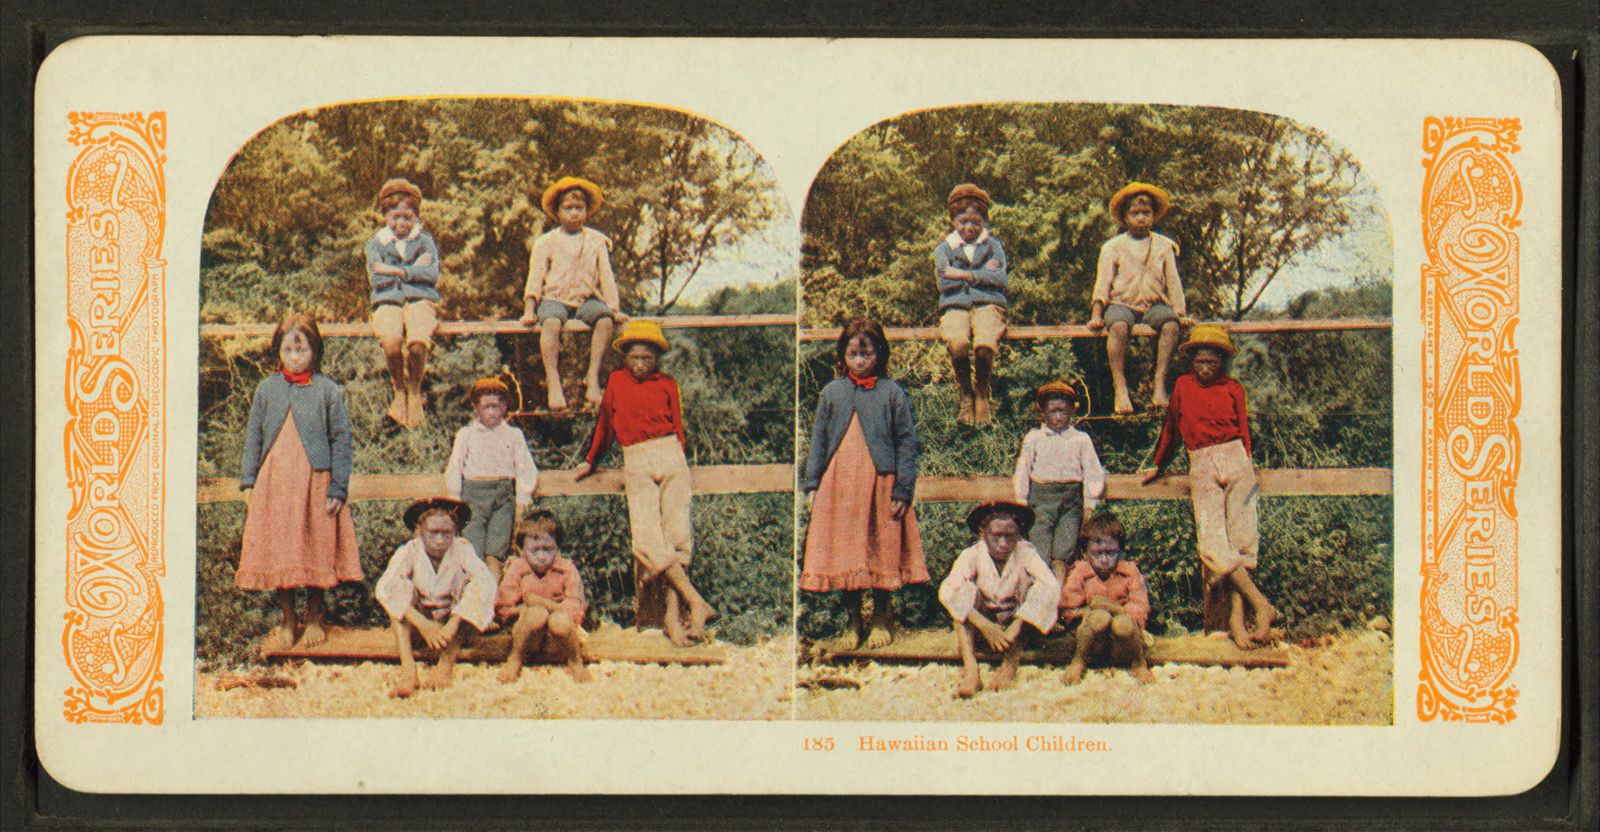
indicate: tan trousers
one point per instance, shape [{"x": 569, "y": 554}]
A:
[
  {"x": 1223, "y": 492},
  {"x": 655, "y": 475},
  {"x": 981, "y": 326},
  {"x": 397, "y": 325}
]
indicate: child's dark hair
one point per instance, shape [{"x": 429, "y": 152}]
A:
[
  {"x": 959, "y": 206},
  {"x": 1127, "y": 204},
  {"x": 1102, "y": 524},
  {"x": 873, "y": 333},
  {"x": 1044, "y": 399},
  {"x": 503, "y": 395},
  {"x": 308, "y": 326},
  {"x": 539, "y": 521},
  {"x": 562, "y": 194}
]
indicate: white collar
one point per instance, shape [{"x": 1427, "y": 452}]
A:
[
  {"x": 385, "y": 236},
  {"x": 955, "y": 241}
]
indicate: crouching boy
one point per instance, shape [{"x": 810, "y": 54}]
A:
[
  {"x": 1000, "y": 589},
  {"x": 434, "y": 583},
  {"x": 1105, "y": 597},
  {"x": 542, "y": 592}
]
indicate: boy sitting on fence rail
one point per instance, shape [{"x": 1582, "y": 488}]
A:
[{"x": 970, "y": 267}]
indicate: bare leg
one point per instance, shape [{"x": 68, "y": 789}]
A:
[
  {"x": 550, "y": 353},
  {"x": 282, "y": 636},
  {"x": 1236, "y": 629},
  {"x": 1091, "y": 629},
  {"x": 982, "y": 368},
  {"x": 316, "y": 611},
  {"x": 407, "y": 684},
  {"x": 416, "y": 368},
  {"x": 394, "y": 355},
  {"x": 1127, "y": 645},
  {"x": 597, "y": 353},
  {"x": 699, "y": 611},
  {"x": 1265, "y": 614},
  {"x": 962, "y": 365},
  {"x": 444, "y": 670},
  {"x": 880, "y": 635},
  {"x": 1117, "y": 354},
  {"x": 969, "y": 682},
  {"x": 1165, "y": 344},
  {"x": 530, "y": 621},
  {"x": 1006, "y": 676},
  {"x": 672, "y": 619},
  {"x": 855, "y": 630},
  {"x": 568, "y": 634}
]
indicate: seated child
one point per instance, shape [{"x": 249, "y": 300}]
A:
[
  {"x": 995, "y": 587},
  {"x": 642, "y": 411},
  {"x": 970, "y": 266},
  {"x": 569, "y": 275},
  {"x": 403, "y": 277},
  {"x": 1208, "y": 415},
  {"x": 433, "y": 583},
  {"x": 492, "y": 471},
  {"x": 1058, "y": 475},
  {"x": 543, "y": 592},
  {"x": 1105, "y": 596},
  {"x": 1137, "y": 282}
]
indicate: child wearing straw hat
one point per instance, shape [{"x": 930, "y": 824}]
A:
[
  {"x": 569, "y": 276},
  {"x": 1208, "y": 416},
  {"x": 970, "y": 267},
  {"x": 642, "y": 411},
  {"x": 1137, "y": 282},
  {"x": 403, "y": 277},
  {"x": 491, "y": 470},
  {"x": 1058, "y": 475}
]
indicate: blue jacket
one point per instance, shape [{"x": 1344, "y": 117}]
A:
[
  {"x": 420, "y": 281},
  {"x": 887, "y": 421},
  {"x": 987, "y": 285},
  {"x": 319, "y": 416}
]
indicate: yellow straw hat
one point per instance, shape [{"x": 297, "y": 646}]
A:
[
  {"x": 1208, "y": 335},
  {"x": 566, "y": 183},
  {"x": 642, "y": 331},
  {"x": 1162, "y": 199}
]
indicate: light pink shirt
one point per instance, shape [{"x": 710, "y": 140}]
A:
[
  {"x": 1024, "y": 589},
  {"x": 1059, "y": 456},
  {"x": 460, "y": 585},
  {"x": 1139, "y": 273},
  {"x": 500, "y": 453},
  {"x": 572, "y": 268}
]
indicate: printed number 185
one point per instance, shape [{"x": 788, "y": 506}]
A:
[{"x": 819, "y": 743}]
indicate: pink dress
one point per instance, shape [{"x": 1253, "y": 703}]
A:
[
  {"x": 290, "y": 540},
  {"x": 854, "y": 541}
]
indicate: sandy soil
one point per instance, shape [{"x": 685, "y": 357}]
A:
[
  {"x": 755, "y": 683},
  {"x": 1349, "y": 681}
]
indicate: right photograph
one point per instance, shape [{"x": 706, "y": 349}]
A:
[{"x": 1095, "y": 422}]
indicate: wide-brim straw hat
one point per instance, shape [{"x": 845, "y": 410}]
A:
[
  {"x": 642, "y": 331},
  {"x": 1214, "y": 337},
  {"x": 1163, "y": 200},
  {"x": 458, "y": 510},
  {"x": 566, "y": 183},
  {"x": 980, "y": 513},
  {"x": 1060, "y": 386},
  {"x": 399, "y": 186},
  {"x": 967, "y": 190},
  {"x": 484, "y": 386}
]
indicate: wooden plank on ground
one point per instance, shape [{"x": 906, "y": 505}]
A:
[
  {"x": 922, "y": 646},
  {"x": 608, "y": 643},
  {"x": 708, "y": 479},
  {"x": 335, "y": 329},
  {"x": 931, "y": 333},
  {"x": 1280, "y": 482}
]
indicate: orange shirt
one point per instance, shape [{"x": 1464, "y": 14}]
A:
[
  {"x": 1124, "y": 585},
  {"x": 560, "y": 583}
]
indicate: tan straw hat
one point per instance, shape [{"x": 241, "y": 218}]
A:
[
  {"x": 1162, "y": 199},
  {"x": 567, "y": 183}
]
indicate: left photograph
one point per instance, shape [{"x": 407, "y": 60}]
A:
[{"x": 496, "y": 417}]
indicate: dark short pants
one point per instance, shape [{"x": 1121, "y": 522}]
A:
[
  {"x": 592, "y": 310},
  {"x": 1156, "y": 316}
]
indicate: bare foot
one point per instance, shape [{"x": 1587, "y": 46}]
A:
[
  {"x": 397, "y": 408},
  {"x": 1241, "y": 637},
  {"x": 1003, "y": 678},
  {"x": 281, "y": 638},
  {"x": 981, "y": 411},
  {"x": 508, "y": 674},
  {"x": 674, "y": 632},
  {"x": 406, "y": 686},
  {"x": 1142, "y": 673},
  {"x": 699, "y": 614},
  {"x": 1264, "y": 621},
  {"x": 879, "y": 636},
  {"x": 966, "y": 410},
  {"x": 439, "y": 678},
  {"x": 314, "y": 634},
  {"x": 1074, "y": 673},
  {"x": 558, "y": 399},
  {"x": 416, "y": 412},
  {"x": 969, "y": 682},
  {"x": 1124, "y": 405},
  {"x": 578, "y": 671}
]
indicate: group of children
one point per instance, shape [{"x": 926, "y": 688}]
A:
[{"x": 452, "y": 578}]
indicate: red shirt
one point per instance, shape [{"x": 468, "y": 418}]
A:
[
  {"x": 1124, "y": 585},
  {"x": 1203, "y": 415},
  {"x": 560, "y": 584},
  {"x": 633, "y": 411}
]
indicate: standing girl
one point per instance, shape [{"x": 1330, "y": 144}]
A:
[
  {"x": 297, "y": 459},
  {"x": 860, "y": 478}
]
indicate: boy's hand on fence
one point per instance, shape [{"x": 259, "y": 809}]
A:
[
  {"x": 1152, "y": 476},
  {"x": 1097, "y": 323},
  {"x": 334, "y": 505},
  {"x": 619, "y": 317},
  {"x": 1185, "y": 320},
  {"x": 898, "y": 508},
  {"x": 582, "y": 471}
]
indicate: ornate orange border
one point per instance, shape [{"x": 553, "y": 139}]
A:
[
  {"x": 1472, "y": 392},
  {"x": 115, "y": 395}
]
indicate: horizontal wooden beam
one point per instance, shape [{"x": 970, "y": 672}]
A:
[
  {"x": 1283, "y": 482},
  {"x": 334, "y": 329},
  {"x": 931, "y": 333},
  {"x": 708, "y": 479}
]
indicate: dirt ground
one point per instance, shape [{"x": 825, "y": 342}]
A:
[
  {"x": 1349, "y": 681},
  {"x": 755, "y": 683}
]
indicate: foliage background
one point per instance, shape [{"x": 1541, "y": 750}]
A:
[
  {"x": 285, "y": 230},
  {"x": 1256, "y": 198}
]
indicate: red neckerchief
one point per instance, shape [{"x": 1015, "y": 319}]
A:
[
  {"x": 864, "y": 383},
  {"x": 299, "y": 378}
]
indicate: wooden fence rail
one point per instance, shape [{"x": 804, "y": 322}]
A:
[
  {"x": 502, "y": 327},
  {"x": 931, "y": 333}
]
